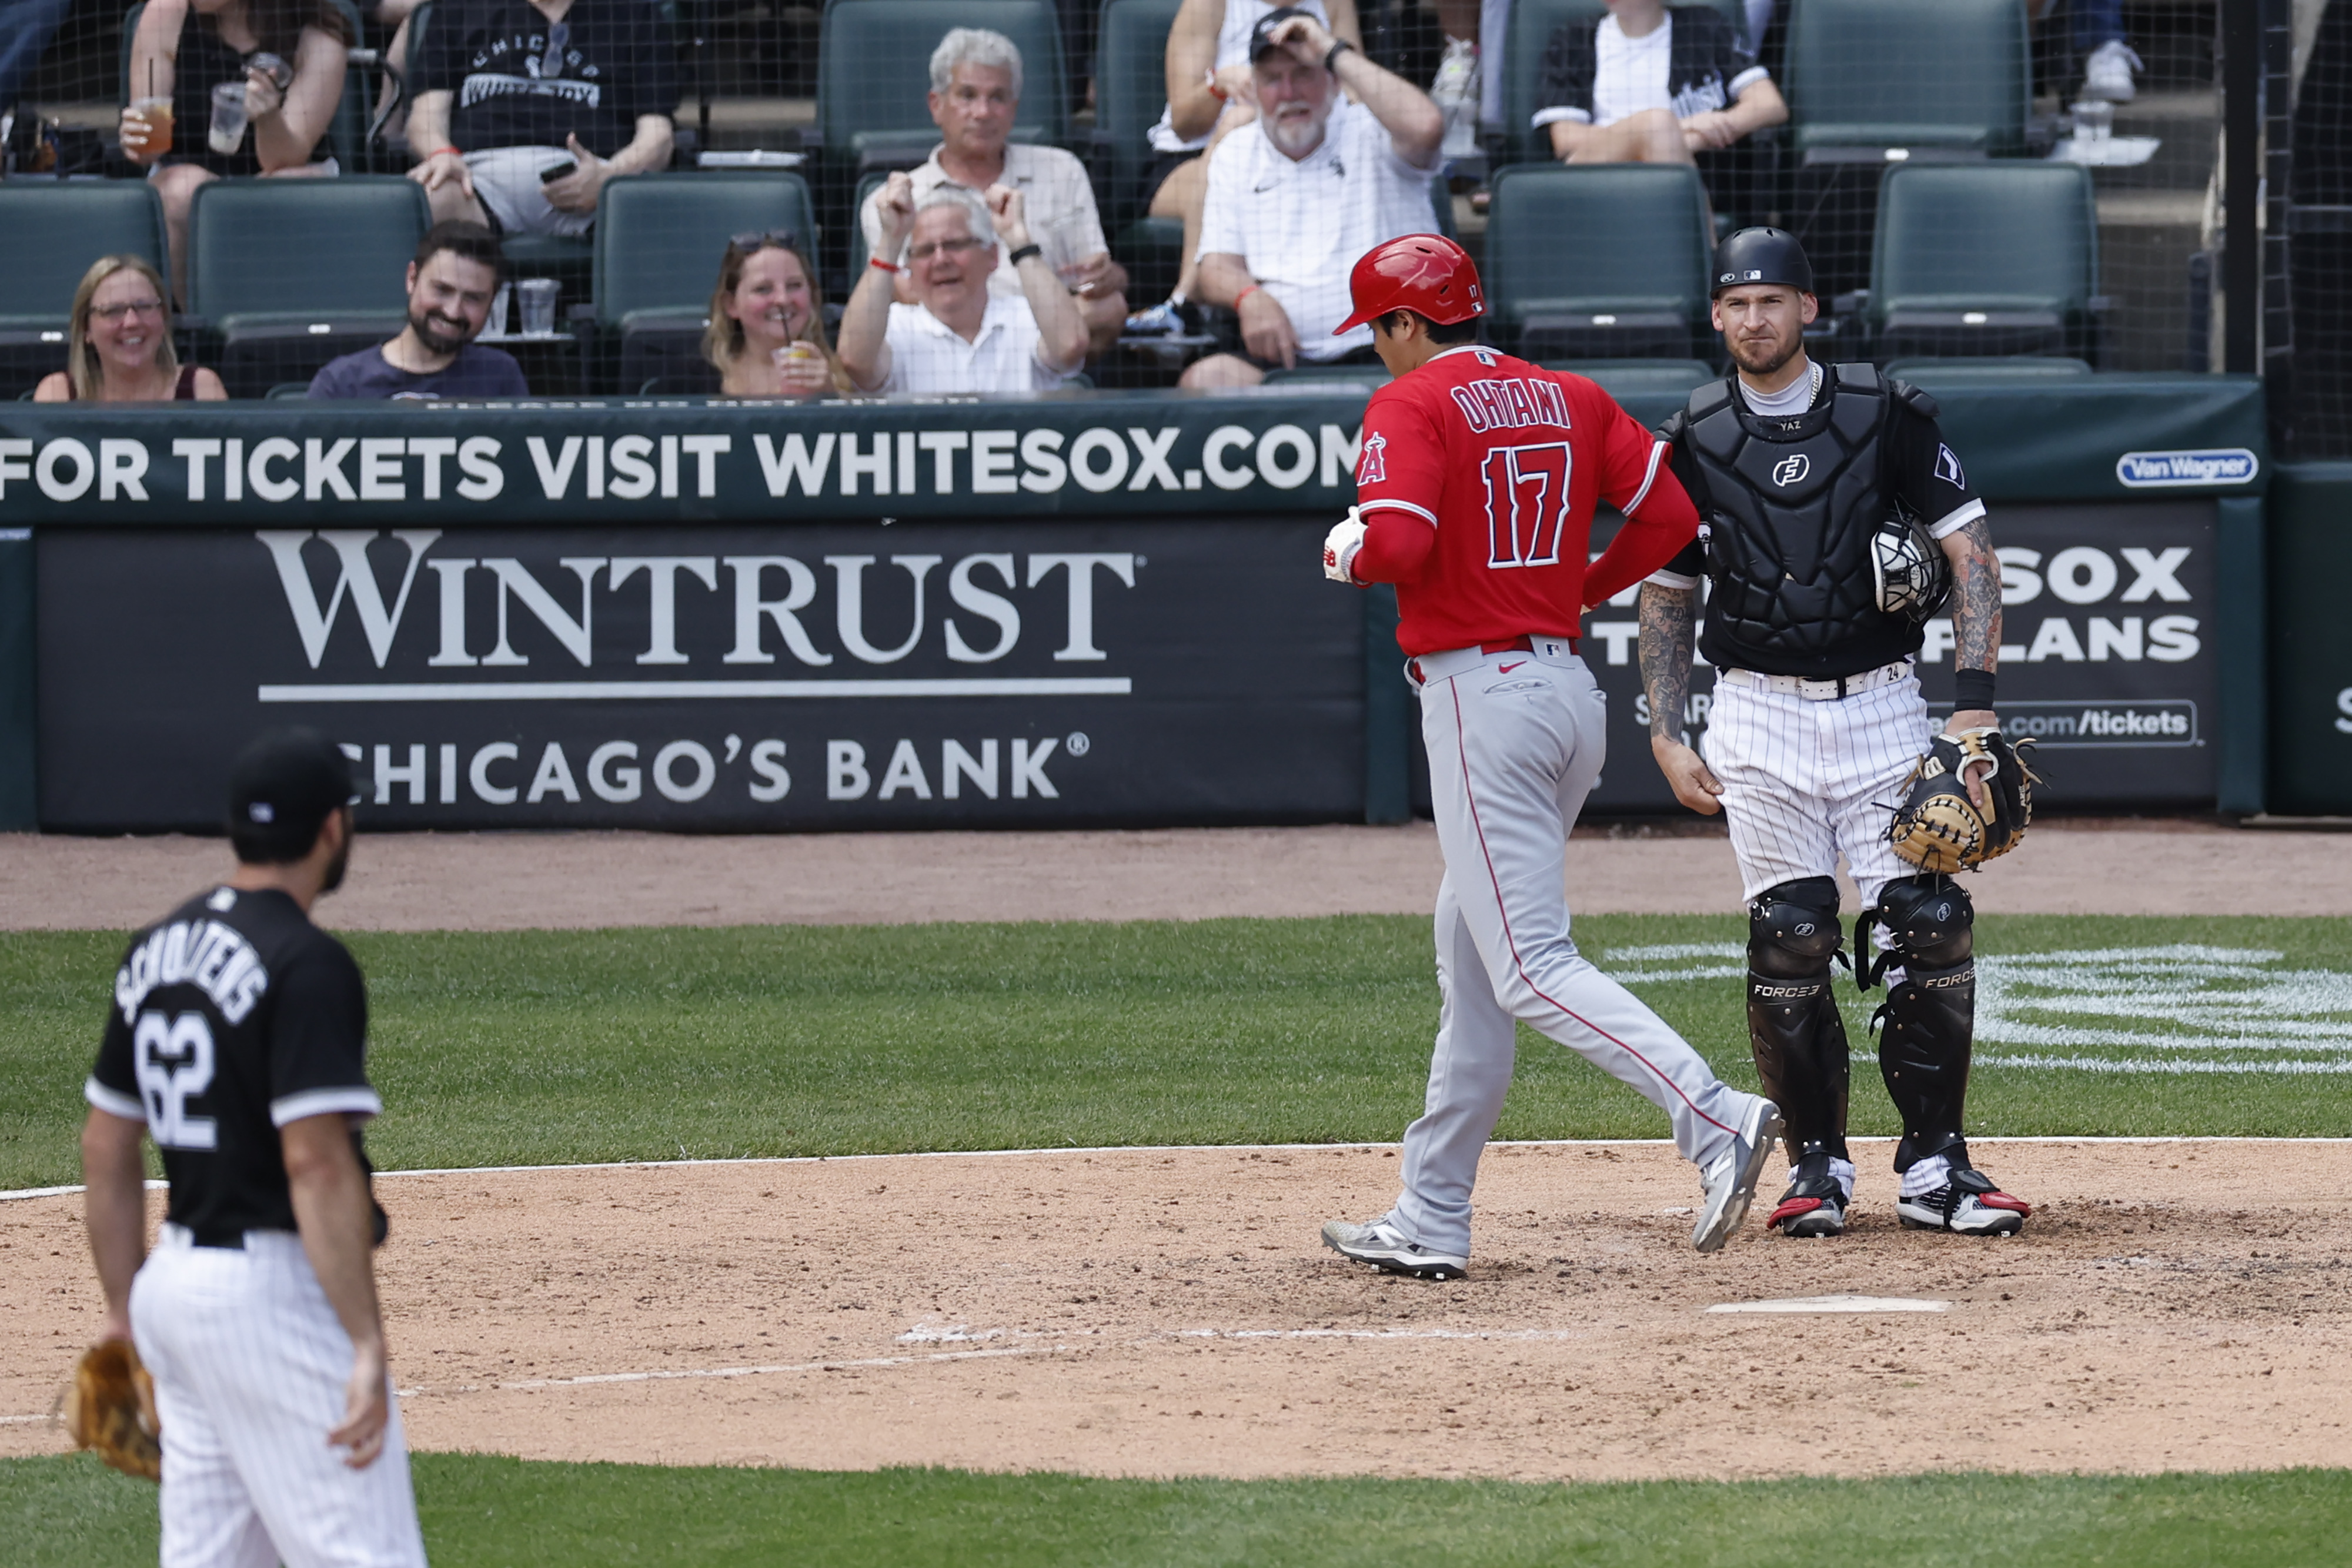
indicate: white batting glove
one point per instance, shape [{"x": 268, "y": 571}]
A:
[{"x": 1339, "y": 548}]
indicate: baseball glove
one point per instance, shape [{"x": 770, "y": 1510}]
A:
[
  {"x": 1937, "y": 827},
  {"x": 113, "y": 1409}
]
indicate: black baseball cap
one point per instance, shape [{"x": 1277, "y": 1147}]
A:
[
  {"x": 1761, "y": 256},
  {"x": 283, "y": 787},
  {"x": 1261, "y": 36}
]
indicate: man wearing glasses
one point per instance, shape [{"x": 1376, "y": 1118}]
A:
[
  {"x": 958, "y": 336},
  {"x": 523, "y": 108},
  {"x": 975, "y": 98}
]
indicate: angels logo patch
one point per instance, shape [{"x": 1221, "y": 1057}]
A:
[
  {"x": 1371, "y": 465},
  {"x": 1947, "y": 468}
]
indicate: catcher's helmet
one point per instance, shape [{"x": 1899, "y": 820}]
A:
[
  {"x": 1760, "y": 256},
  {"x": 1427, "y": 273}
]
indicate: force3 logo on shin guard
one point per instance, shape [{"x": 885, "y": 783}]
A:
[{"x": 1789, "y": 470}]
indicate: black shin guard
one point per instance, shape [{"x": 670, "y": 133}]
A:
[
  {"x": 1929, "y": 1015},
  {"x": 1793, "y": 1026}
]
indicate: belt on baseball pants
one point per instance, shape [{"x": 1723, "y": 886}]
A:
[
  {"x": 1423, "y": 668},
  {"x": 1828, "y": 688}
]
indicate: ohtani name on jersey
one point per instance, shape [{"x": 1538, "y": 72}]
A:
[
  {"x": 205, "y": 954},
  {"x": 1507, "y": 402}
]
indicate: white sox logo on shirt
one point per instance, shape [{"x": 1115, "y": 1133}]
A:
[
  {"x": 1789, "y": 470},
  {"x": 1371, "y": 466},
  {"x": 1947, "y": 468}
]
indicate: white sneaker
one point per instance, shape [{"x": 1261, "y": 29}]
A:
[
  {"x": 2107, "y": 74},
  {"x": 1385, "y": 1247},
  {"x": 1731, "y": 1182}
]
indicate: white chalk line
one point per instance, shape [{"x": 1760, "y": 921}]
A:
[{"x": 1174, "y": 1149}]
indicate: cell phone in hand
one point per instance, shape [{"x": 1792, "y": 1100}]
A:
[{"x": 554, "y": 172}]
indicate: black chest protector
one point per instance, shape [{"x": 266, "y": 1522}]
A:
[{"x": 1791, "y": 506}]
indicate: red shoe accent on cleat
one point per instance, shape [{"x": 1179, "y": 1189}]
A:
[
  {"x": 2002, "y": 1200},
  {"x": 1792, "y": 1209}
]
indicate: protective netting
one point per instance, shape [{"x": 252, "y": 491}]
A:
[{"x": 1973, "y": 179}]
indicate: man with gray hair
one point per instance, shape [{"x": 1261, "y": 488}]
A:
[
  {"x": 975, "y": 95},
  {"x": 958, "y": 336}
]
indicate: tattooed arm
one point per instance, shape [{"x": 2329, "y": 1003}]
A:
[
  {"x": 1667, "y": 615},
  {"x": 1976, "y": 620}
]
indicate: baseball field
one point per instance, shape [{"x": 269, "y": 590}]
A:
[{"x": 953, "y": 1199}]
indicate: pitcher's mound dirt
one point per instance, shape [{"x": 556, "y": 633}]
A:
[{"x": 1158, "y": 1312}]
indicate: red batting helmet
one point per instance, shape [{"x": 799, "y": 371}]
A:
[{"x": 1427, "y": 273}]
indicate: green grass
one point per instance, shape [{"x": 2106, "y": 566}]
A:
[
  {"x": 517, "y": 1514},
  {"x": 585, "y": 1046}
]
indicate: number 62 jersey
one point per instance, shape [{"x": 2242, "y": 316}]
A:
[
  {"x": 233, "y": 1016},
  {"x": 1477, "y": 479}
]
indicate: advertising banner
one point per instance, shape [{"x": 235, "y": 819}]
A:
[
  {"x": 2108, "y": 659},
  {"x": 1120, "y": 670}
]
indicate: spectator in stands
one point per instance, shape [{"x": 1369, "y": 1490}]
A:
[
  {"x": 184, "y": 48},
  {"x": 959, "y": 337},
  {"x": 523, "y": 108},
  {"x": 1209, "y": 95},
  {"x": 450, "y": 284},
  {"x": 119, "y": 349},
  {"x": 975, "y": 97},
  {"x": 766, "y": 334},
  {"x": 1295, "y": 200},
  {"x": 1646, "y": 85},
  {"x": 2107, "y": 58}
]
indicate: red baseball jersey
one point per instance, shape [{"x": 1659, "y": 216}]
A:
[{"x": 1502, "y": 462}]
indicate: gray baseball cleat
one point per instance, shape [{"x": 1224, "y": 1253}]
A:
[
  {"x": 1384, "y": 1247},
  {"x": 1731, "y": 1182}
]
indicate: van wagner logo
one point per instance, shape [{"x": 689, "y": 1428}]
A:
[
  {"x": 2161, "y": 470},
  {"x": 758, "y": 622}
]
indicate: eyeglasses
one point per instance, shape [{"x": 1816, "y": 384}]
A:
[
  {"x": 782, "y": 239},
  {"x": 952, "y": 246},
  {"x": 117, "y": 312},
  {"x": 551, "y": 62}
]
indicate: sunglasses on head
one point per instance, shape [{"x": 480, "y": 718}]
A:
[{"x": 784, "y": 239}]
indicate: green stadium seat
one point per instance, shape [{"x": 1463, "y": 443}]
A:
[
  {"x": 1131, "y": 89},
  {"x": 658, "y": 241},
  {"x": 1597, "y": 260},
  {"x": 1982, "y": 259},
  {"x": 285, "y": 275},
  {"x": 1867, "y": 74},
  {"x": 1532, "y": 24},
  {"x": 1308, "y": 374},
  {"x": 1628, "y": 378},
  {"x": 50, "y": 231},
  {"x": 874, "y": 75}
]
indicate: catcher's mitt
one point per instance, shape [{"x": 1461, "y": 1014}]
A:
[
  {"x": 1935, "y": 826},
  {"x": 113, "y": 1409}
]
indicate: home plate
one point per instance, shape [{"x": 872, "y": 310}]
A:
[{"x": 1836, "y": 1304}]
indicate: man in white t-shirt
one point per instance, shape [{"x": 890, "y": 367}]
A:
[
  {"x": 958, "y": 337},
  {"x": 1295, "y": 199},
  {"x": 1647, "y": 85},
  {"x": 975, "y": 97}
]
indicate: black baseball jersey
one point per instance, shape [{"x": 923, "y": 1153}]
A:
[
  {"x": 1825, "y": 626},
  {"x": 234, "y": 1016}
]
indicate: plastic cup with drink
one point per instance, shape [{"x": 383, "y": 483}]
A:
[
  {"x": 227, "y": 132},
  {"x": 536, "y": 297},
  {"x": 150, "y": 118}
]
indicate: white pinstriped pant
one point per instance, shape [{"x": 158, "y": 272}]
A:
[
  {"x": 1803, "y": 780},
  {"x": 1515, "y": 743},
  {"x": 250, "y": 1363}
]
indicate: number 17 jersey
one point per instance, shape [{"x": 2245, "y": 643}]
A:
[{"x": 1506, "y": 462}]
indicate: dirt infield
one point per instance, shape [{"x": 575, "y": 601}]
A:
[
  {"x": 498, "y": 882},
  {"x": 2173, "y": 1305}
]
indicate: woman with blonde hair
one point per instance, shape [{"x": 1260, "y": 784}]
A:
[
  {"x": 119, "y": 349},
  {"x": 766, "y": 334}
]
